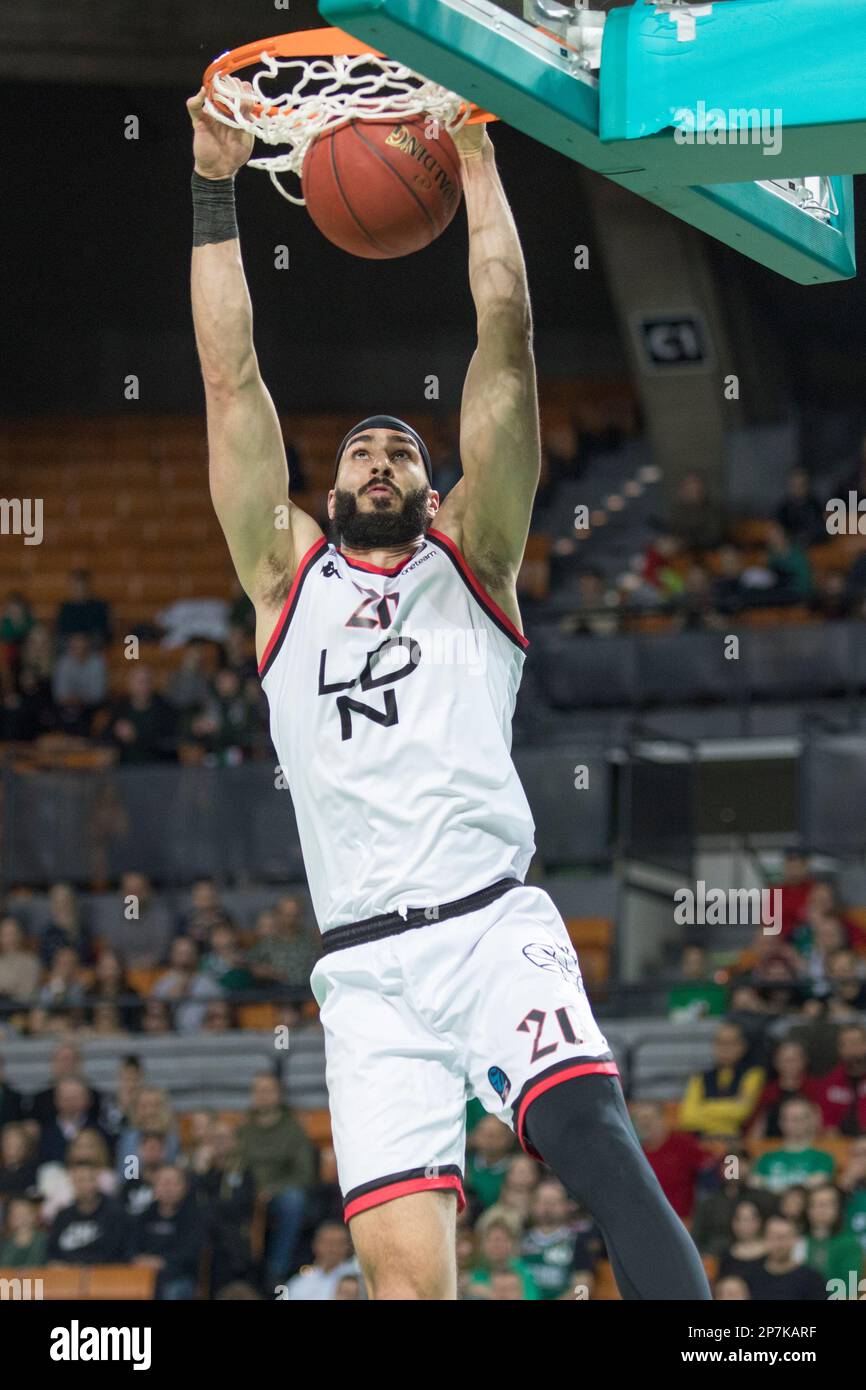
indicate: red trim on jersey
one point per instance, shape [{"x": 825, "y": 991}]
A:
[
  {"x": 547, "y": 1084},
  {"x": 281, "y": 620},
  {"x": 375, "y": 569},
  {"x": 478, "y": 589},
  {"x": 391, "y": 1191}
]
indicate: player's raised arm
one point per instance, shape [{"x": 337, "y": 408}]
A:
[
  {"x": 247, "y": 460},
  {"x": 499, "y": 433}
]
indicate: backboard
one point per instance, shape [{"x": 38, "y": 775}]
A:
[{"x": 683, "y": 104}]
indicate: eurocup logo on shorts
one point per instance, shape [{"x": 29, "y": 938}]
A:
[
  {"x": 500, "y": 1083},
  {"x": 548, "y": 956}
]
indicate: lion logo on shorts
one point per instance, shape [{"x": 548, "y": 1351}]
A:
[{"x": 548, "y": 956}]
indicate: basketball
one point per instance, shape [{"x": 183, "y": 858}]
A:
[{"x": 382, "y": 188}]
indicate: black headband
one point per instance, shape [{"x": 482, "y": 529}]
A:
[{"x": 387, "y": 422}]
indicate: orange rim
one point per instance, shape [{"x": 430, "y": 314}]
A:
[{"x": 305, "y": 43}]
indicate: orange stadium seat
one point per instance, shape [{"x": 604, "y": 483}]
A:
[
  {"x": 128, "y": 1283},
  {"x": 591, "y": 938},
  {"x": 317, "y": 1124}
]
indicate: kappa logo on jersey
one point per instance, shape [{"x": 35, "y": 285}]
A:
[
  {"x": 329, "y": 570},
  {"x": 373, "y": 611},
  {"x": 500, "y": 1083},
  {"x": 548, "y": 956},
  {"x": 384, "y": 655}
]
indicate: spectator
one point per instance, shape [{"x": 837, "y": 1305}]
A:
[
  {"x": 792, "y": 1203},
  {"x": 283, "y": 1163},
  {"x": 676, "y": 1158},
  {"x": 11, "y": 1104},
  {"x": 224, "y": 962},
  {"x": 844, "y": 974},
  {"x": 693, "y": 517},
  {"x": 852, "y": 1183},
  {"x": 142, "y": 726},
  {"x": 143, "y": 929},
  {"x": 283, "y": 952},
  {"x": 93, "y": 1229},
  {"x": 727, "y": 594},
  {"x": 138, "y": 1186},
  {"x": 19, "y": 967},
  {"x": 834, "y": 1252},
  {"x": 83, "y": 613},
  {"x": 748, "y": 1247},
  {"x": 547, "y": 1249},
  {"x": 183, "y": 981},
  {"x": 204, "y": 898},
  {"x": 801, "y": 515},
  {"x": 110, "y": 985},
  {"x": 797, "y": 1160},
  {"x": 80, "y": 684},
  {"x": 719, "y": 1101},
  {"x": 189, "y": 688},
  {"x": 16, "y": 623},
  {"x": 225, "y": 1191},
  {"x": 156, "y": 1018},
  {"x": 73, "y": 1111},
  {"x": 348, "y": 1289},
  {"x": 115, "y": 1114},
  {"x": 65, "y": 1063},
  {"x": 780, "y": 1276},
  {"x": 519, "y": 1187},
  {"x": 731, "y": 1288},
  {"x": 65, "y": 926},
  {"x": 18, "y": 1166},
  {"x": 795, "y": 889},
  {"x": 168, "y": 1236},
  {"x": 489, "y": 1150},
  {"x": 699, "y": 995},
  {"x": 843, "y": 1093},
  {"x": 238, "y": 655},
  {"x": 226, "y": 728},
  {"x": 151, "y": 1114},
  {"x": 332, "y": 1261},
  {"x": 789, "y": 562},
  {"x": 711, "y": 1223},
  {"x": 498, "y": 1237},
  {"x": 219, "y": 1017},
  {"x": 594, "y": 606},
  {"x": 60, "y": 993},
  {"x": 790, "y": 1065},
  {"x": 23, "y": 1245},
  {"x": 54, "y": 1182}
]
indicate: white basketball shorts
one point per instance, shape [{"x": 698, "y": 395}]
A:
[{"x": 488, "y": 1003}]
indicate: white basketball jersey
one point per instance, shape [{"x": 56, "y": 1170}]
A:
[{"x": 391, "y": 695}]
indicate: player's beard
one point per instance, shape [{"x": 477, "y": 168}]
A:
[{"x": 385, "y": 525}]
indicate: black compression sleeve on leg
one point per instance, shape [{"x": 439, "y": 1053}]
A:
[
  {"x": 583, "y": 1132},
  {"x": 213, "y": 210}
]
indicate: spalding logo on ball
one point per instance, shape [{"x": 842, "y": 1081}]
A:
[{"x": 382, "y": 188}]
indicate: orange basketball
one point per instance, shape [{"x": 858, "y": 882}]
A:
[{"x": 382, "y": 188}]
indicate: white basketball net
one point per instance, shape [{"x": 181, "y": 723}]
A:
[{"x": 298, "y": 116}]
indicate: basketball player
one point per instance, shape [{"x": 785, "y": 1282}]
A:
[{"x": 391, "y": 655}]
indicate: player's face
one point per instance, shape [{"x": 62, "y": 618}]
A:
[{"x": 382, "y": 496}]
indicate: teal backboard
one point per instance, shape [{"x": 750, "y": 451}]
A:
[{"x": 745, "y": 118}]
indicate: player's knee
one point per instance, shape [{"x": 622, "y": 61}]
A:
[{"x": 396, "y": 1274}]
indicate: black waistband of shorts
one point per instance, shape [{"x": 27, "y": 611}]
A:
[{"x": 392, "y": 923}]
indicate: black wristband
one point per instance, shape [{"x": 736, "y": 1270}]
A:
[{"x": 213, "y": 210}]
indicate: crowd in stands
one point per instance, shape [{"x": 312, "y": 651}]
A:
[
  {"x": 151, "y": 970},
  {"x": 698, "y": 570},
  {"x": 55, "y": 679}
]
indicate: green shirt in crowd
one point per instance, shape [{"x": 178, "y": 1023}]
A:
[
  {"x": 27, "y": 1256},
  {"x": 784, "y": 1168},
  {"x": 836, "y": 1257},
  {"x": 518, "y": 1267}
]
